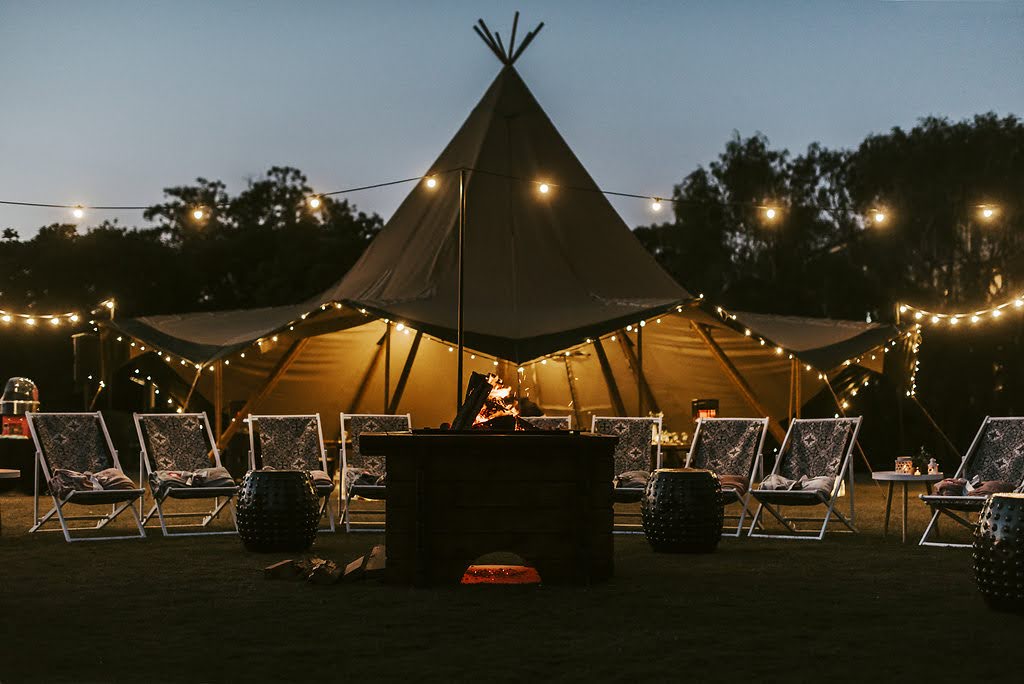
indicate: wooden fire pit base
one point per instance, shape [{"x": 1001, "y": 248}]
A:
[{"x": 454, "y": 497}]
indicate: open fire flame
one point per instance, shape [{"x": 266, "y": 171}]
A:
[{"x": 500, "y": 402}]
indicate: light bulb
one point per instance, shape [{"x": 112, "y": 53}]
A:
[
  {"x": 314, "y": 202},
  {"x": 770, "y": 213},
  {"x": 198, "y": 214},
  {"x": 74, "y": 318},
  {"x": 30, "y": 321},
  {"x": 656, "y": 204},
  {"x": 431, "y": 182},
  {"x": 6, "y": 318},
  {"x": 54, "y": 321},
  {"x": 997, "y": 313},
  {"x": 544, "y": 188},
  {"x": 78, "y": 212},
  {"x": 878, "y": 217}
]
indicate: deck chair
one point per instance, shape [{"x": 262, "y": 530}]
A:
[
  {"x": 354, "y": 463},
  {"x": 815, "y": 447},
  {"x": 294, "y": 442},
  {"x": 997, "y": 453},
  {"x": 78, "y": 442},
  {"x": 632, "y": 453},
  {"x": 181, "y": 441},
  {"x": 549, "y": 422},
  {"x": 730, "y": 446}
]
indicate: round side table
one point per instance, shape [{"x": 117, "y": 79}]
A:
[
  {"x": 892, "y": 477},
  {"x": 6, "y": 474}
]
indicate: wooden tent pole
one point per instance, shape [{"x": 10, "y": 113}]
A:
[
  {"x": 935, "y": 425},
  {"x": 737, "y": 379},
  {"x": 404, "y": 377},
  {"x": 609, "y": 379},
  {"x": 638, "y": 371},
  {"x": 387, "y": 366},
  {"x": 368, "y": 375},
  {"x": 218, "y": 397},
  {"x": 640, "y": 385},
  {"x": 192, "y": 389},
  {"x": 259, "y": 395},
  {"x": 462, "y": 285},
  {"x": 571, "y": 379}
]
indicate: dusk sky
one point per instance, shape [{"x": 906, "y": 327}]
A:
[{"x": 110, "y": 102}]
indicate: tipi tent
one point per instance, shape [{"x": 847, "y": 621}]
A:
[{"x": 560, "y": 298}]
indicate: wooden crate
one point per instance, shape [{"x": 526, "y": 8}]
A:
[{"x": 453, "y": 497}]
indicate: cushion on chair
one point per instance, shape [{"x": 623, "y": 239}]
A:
[
  {"x": 951, "y": 486},
  {"x": 735, "y": 483},
  {"x": 169, "y": 482},
  {"x": 990, "y": 487},
  {"x": 65, "y": 481},
  {"x": 322, "y": 481},
  {"x": 633, "y": 479}
]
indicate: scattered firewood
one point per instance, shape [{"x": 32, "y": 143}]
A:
[
  {"x": 324, "y": 572},
  {"x": 375, "y": 563},
  {"x": 286, "y": 569}
]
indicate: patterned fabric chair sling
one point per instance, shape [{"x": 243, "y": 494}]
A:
[
  {"x": 812, "y": 448},
  {"x": 730, "y": 447},
  {"x": 364, "y": 475},
  {"x": 294, "y": 443},
  {"x": 549, "y": 422},
  {"x": 78, "y": 444},
  {"x": 183, "y": 442},
  {"x": 632, "y": 458},
  {"x": 997, "y": 453}
]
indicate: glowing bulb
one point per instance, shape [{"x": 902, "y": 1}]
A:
[
  {"x": 30, "y": 321},
  {"x": 109, "y": 304},
  {"x": 78, "y": 212},
  {"x": 314, "y": 202},
  {"x": 935, "y": 319},
  {"x": 1019, "y": 303},
  {"x": 544, "y": 188},
  {"x": 997, "y": 313},
  {"x": 954, "y": 320},
  {"x": 6, "y": 318},
  {"x": 918, "y": 316},
  {"x": 878, "y": 217},
  {"x": 770, "y": 213},
  {"x": 400, "y": 327},
  {"x": 656, "y": 204},
  {"x": 451, "y": 349},
  {"x": 74, "y": 318},
  {"x": 987, "y": 212},
  {"x": 903, "y": 309},
  {"x": 629, "y": 328},
  {"x": 778, "y": 350},
  {"x": 975, "y": 319},
  {"x": 54, "y": 321},
  {"x": 198, "y": 214},
  {"x": 431, "y": 182}
]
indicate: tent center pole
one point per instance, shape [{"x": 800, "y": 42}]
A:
[
  {"x": 461, "y": 291},
  {"x": 387, "y": 366}
]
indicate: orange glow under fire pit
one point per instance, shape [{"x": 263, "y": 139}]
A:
[{"x": 501, "y": 574}]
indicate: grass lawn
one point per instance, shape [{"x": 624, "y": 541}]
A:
[{"x": 854, "y": 607}]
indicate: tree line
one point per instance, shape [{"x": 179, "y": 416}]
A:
[{"x": 823, "y": 255}]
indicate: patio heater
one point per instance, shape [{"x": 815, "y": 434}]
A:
[{"x": 20, "y": 395}]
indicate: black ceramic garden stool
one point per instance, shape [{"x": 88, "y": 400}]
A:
[
  {"x": 681, "y": 511},
  {"x": 278, "y": 510},
  {"x": 999, "y": 552}
]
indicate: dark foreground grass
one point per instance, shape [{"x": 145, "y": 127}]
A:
[{"x": 852, "y": 608}]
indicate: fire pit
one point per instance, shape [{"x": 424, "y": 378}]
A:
[{"x": 456, "y": 496}]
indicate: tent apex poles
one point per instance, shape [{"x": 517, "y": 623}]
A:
[{"x": 461, "y": 290}]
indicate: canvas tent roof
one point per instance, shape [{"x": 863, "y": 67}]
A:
[
  {"x": 541, "y": 270},
  {"x": 543, "y": 274}
]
